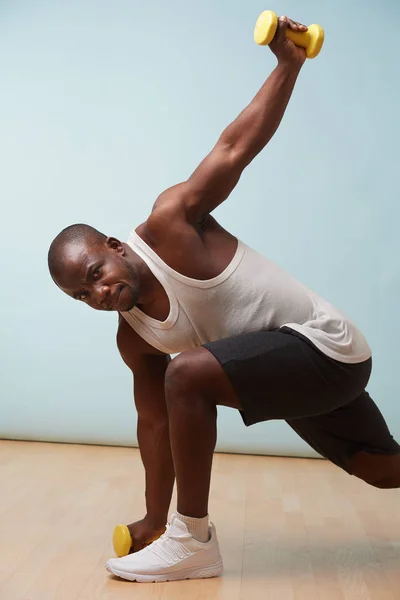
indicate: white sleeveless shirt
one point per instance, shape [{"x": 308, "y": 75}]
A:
[{"x": 251, "y": 294}]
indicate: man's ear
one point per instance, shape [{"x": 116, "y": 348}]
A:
[{"x": 115, "y": 245}]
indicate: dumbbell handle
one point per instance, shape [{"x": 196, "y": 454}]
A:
[{"x": 299, "y": 38}]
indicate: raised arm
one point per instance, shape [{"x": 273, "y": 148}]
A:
[
  {"x": 152, "y": 432},
  {"x": 217, "y": 175}
]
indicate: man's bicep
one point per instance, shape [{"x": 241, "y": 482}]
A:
[
  {"x": 209, "y": 185},
  {"x": 213, "y": 180}
]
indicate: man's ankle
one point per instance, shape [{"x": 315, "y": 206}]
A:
[{"x": 198, "y": 528}]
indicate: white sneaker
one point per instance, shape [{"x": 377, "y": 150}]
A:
[{"x": 175, "y": 555}]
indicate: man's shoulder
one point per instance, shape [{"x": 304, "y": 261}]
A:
[{"x": 131, "y": 346}]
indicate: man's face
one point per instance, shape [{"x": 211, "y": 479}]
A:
[{"x": 100, "y": 276}]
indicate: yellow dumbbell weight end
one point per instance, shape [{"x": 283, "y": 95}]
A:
[
  {"x": 311, "y": 40},
  {"x": 122, "y": 540},
  {"x": 265, "y": 28}
]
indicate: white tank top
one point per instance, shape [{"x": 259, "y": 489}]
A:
[{"x": 251, "y": 294}]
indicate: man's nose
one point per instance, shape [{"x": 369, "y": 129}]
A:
[{"x": 103, "y": 296}]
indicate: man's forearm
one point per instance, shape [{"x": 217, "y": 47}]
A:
[
  {"x": 257, "y": 123},
  {"x": 155, "y": 450}
]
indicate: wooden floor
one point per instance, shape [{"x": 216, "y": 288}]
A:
[{"x": 289, "y": 529}]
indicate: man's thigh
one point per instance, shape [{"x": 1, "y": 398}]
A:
[
  {"x": 282, "y": 375},
  {"x": 342, "y": 433}
]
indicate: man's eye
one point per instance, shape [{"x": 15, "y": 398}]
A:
[
  {"x": 96, "y": 273},
  {"x": 83, "y": 296}
]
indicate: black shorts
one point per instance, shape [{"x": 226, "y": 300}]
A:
[{"x": 281, "y": 375}]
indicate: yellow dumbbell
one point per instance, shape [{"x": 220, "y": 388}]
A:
[
  {"x": 122, "y": 540},
  {"x": 267, "y": 23}
]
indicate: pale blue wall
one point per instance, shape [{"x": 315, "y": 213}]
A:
[{"x": 105, "y": 104}]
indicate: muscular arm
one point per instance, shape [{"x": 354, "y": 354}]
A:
[
  {"x": 217, "y": 175},
  {"x": 153, "y": 436},
  {"x": 148, "y": 367},
  {"x": 214, "y": 179}
]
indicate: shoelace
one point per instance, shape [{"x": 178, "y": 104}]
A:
[{"x": 168, "y": 548}]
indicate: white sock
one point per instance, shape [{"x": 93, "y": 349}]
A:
[{"x": 198, "y": 528}]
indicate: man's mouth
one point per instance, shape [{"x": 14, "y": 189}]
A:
[{"x": 116, "y": 298}]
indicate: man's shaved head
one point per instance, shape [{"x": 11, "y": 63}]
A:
[
  {"x": 96, "y": 269},
  {"x": 74, "y": 235}
]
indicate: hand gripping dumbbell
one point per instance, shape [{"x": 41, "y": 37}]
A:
[
  {"x": 122, "y": 540},
  {"x": 311, "y": 40}
]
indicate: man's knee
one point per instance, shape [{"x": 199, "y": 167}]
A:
[
  {"x": 186, "y": 374},
  {"x": 384, "y": 483},
  {"x": 379, "y": 470},
  {"x": 390, "y": 483}
]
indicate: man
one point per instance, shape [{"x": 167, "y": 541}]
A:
[{"x": 250, "y": 337}]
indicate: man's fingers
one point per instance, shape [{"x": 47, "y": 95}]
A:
[
  {"x": 296, "y": 26},
  {"x": 137, "y": 546},
  {"x": 283, "y": 23}
]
